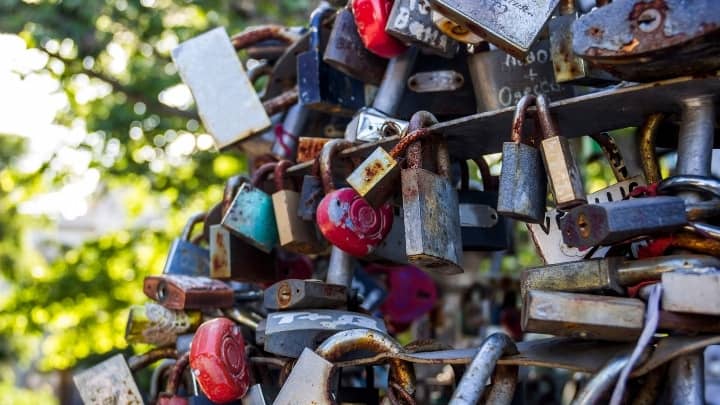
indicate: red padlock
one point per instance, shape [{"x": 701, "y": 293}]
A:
[
  {"x": 345, "y": 219},
  {"x": 218, "y": 360},
  {"x": 371, "y": 17},
  {"x": 411, "y": 294}
]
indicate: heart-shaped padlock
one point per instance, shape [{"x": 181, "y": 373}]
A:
[
  {"x": 345, "y": 219},
  {"x": 218, "y": 360}
]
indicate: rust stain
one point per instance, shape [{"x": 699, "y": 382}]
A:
[{"x": 309, "y": 148}]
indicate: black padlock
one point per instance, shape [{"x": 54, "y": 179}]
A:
[
  {"x": 481, "y": 228},
  {"x": 320, "y": 86}
]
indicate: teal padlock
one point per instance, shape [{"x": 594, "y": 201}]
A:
[{"x": 251, "y": 216}]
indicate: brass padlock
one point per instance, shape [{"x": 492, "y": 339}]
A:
[{"x": 565, "y": 180}]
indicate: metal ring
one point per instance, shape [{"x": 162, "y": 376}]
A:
[{"x": 673, "y": 184}]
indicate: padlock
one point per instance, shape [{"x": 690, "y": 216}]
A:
[
  {"x": 185, "y": 257},
  {"x": 219, "y": 361},
  {"x": 410, "y": 21},
  {"x": 287, "y": 132},
  {"x": 254, "y": 396},
  {"x": 570, "y": 68},
  {"x": 392, "y": 248},
  {"x": 309, "y": 148},
  {"x": 108, "y": 382},
  {"x": 170, "y": 395},
  {"x": 512, "y": 25},
  {"x": 345, "y": 219},
  {"x": 320, "y": 86},
  {"x": 608, "y": 275},
  {"x": 287, "y": 333},
  {"x": 185, "y": 292},
  {"x": 565, "y": 180},
  {"x": 371, "y": 18},
  {"x": 482, "y": 229},
  {"x": 501, "y": 80},
  {"x": 250, "y": 215},
  {"x": 292, "y": 294},
  {"x": 612, "y": 222},
  {"x": 411, "y": 294},
  {"x": 230, "y": 257},
  {"x": 209, "y": 65},
  {"x": 430, "y": 205},
  {"x": 156, "y": 325},
  {"x": 294, "y": 234},
  {"x": 692, "y": 290},
  {"x": 311, "y": 192},
  {"x": 454, "y": 30},
  {"x": 582, "y": 315},
  {"x": 345, "y": 51},
  {"x": 646, "y": 41},
  {"x": 523, "y": 187}
]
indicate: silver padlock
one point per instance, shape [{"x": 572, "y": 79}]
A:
[
  {"x": 109, "y": 382},
  {"x": 694, "y": 291}
]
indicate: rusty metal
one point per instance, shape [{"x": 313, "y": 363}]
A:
[
  {"x": 141, "y": 361},
  {"x": 176, "y": 375},
  {"x": 612, "y": 154},
  {"x": 327, "y": 154},
  {"x": 651, "y": 388},
  {"x": 407, "y": 140},
  {"x": 648, "y": 156},
  {"x": 309, "y": 148},
  {"x": 281, "y": 102},
  {"x": 633, "y": 272},
  {"x": 672, "y": 347},
  {"x": 695, "y": 243},
  {"x": 252, "y": 35},
  {"x": 689, "y": 324},
  {"x": 518, "y": 120}
]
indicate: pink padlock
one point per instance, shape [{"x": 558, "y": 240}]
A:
[
  {"x": 411, "y": 294},
  {"x": 345, "y": 219}
]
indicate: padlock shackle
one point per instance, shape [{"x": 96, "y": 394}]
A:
[
  {"x": 176, "y": 374},
  {"x": 673, "y": 185},
  {"x": 140, "y": 361},
  {"x": 253, "y": 35},
  {"x": 232, "y": 185},
  {"x": 341, "y": 343},
  {"x": 261, "y": 174},
  {"x": 548, "y": 126},
  {"x": 327, "y": 154},
  {"x": 519, "y": 118},
  {"x": 419, "y": 120},
  {"x": 280, "y": 174},
  {"x": 317, "y": 18},
  {"x": 601, "y": 382},
  {"x": 612, "y": 154},
  {"x": 648, "y": 156},
  {"x": 485, "y": 176},
  {"x": 281, "y": 102},
  {"x": 194, "y": 219}
]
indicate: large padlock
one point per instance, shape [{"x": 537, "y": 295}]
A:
[
  {"x": 294, "y": 234},
  {"x": 156, "y": 325},
  {"x": 210, "y": 67},
  {"x": 320, "y": 86},
  {"x": 523, "y": 188},
  {"x": 430, "y": 205},
  {"x": 219, "y": 361},
  {"x": 500, "y": 80},
  {"x": 287, "y": 333},
  {"x": 345, "y": 51},
  {"x": 482, "y": 229},
  {"x": 250, "y": 215},
  {"x": 185, "y": 257},
  {"x": 512, "y": 25},
  {"x": 371, "y": 18},
  {"x": 410, "y": 21},
  {"x": 454, "y": 30},
  {"x": 565, "y": 180},
  {"x": 108, "y": 382},
  {"x": 186, "y": 292},
  {"x": 345, "y": 219},
  {"x": 292, "y": 294}
]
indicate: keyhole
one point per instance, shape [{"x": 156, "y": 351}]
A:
[
  {"x": 161, "y": 293},
  {"x": 649, "y": 20},
  {"x": 584, "y": 226}
]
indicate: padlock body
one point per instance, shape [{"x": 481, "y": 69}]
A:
[
  {"x": 580, "y": 276},
  {"x": 109, "y": 382},
  {"x": 392, "y": 248},
  {"x": 375, "y": 178},
  {"x": 454, "y": 30},
  {"x": 371, "y": 17},
  {"x": 311, "y": 193},
  {"x": 293, "y": 294},
  {"x": 432, "y": 222},
  {"x": 565, "y": 180},
  {"x": 410, "y": 21},
  {"x": 294, "y": 234},
  {"x": 523, "y": 188},
  {"x": 187, "y": 258},
  {"x": 251, "y": 217},
  {"x": 233, "y": 259},
  {"x": 500, "y": 80},
  {"x": 692, "y": 291},
  {"x": 156, "y": 325},
  {"x": 308, "y": 382},
  {"x": 481, "y": 228}
]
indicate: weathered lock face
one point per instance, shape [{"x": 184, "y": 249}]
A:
[
  {"x": 512, "y": 25},
  {"x": 299, "y": 294},
  {"x": 411, "y": 22},
  {"x": 108, "y": 382},
  {"x": 233, "y": 259},
  {"x": 157, "y": 325},
  {"x": 185, "y": 292},
  {"x": 210, "y": 67},
  {"x": 500, "y": 80},
  {"x": 581, "y": 276},
  {"x": 454, "y": 30},
  {"x": 694, "y": 291}
]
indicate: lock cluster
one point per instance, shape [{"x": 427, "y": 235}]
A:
[{"x": 360, "y": 261}]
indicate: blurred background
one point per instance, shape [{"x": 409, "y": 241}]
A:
[{"x": 102, "y": 159}]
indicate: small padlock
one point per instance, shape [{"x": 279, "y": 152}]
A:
[
  {"x": 185, "y": 257},
  {"x": 109, "y": 382},
  {"x": 185, "y": 292},
  {"x": 482, "y": 229},
  {"x": 345, "y": 51},
  {"x": 294, "y": 234},
  {"x": 371, "y": 18},
  {"x": 292, "y": 294},
  {"x": 430, "y": 205},
  {"x": 512, "y": 25},
  {"x": 345, "y": 219},
  {"x": 565, "y": 180},
  {"x": 156, "y": 325},
  {"x": 523, "y": 187},
  {"x": 209, "y": 65},
  {"x": 320, "y": 86},
  {"x": 410, "y": 21},
  {"x": 251, "y": 216},
  {"x": 454, "y": 30},
  {"x": 219, "y": 361}
]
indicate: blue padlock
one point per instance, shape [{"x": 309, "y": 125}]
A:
[
  {"x": 185, "y": 257},
  {"x": 251, "y": 216}
]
